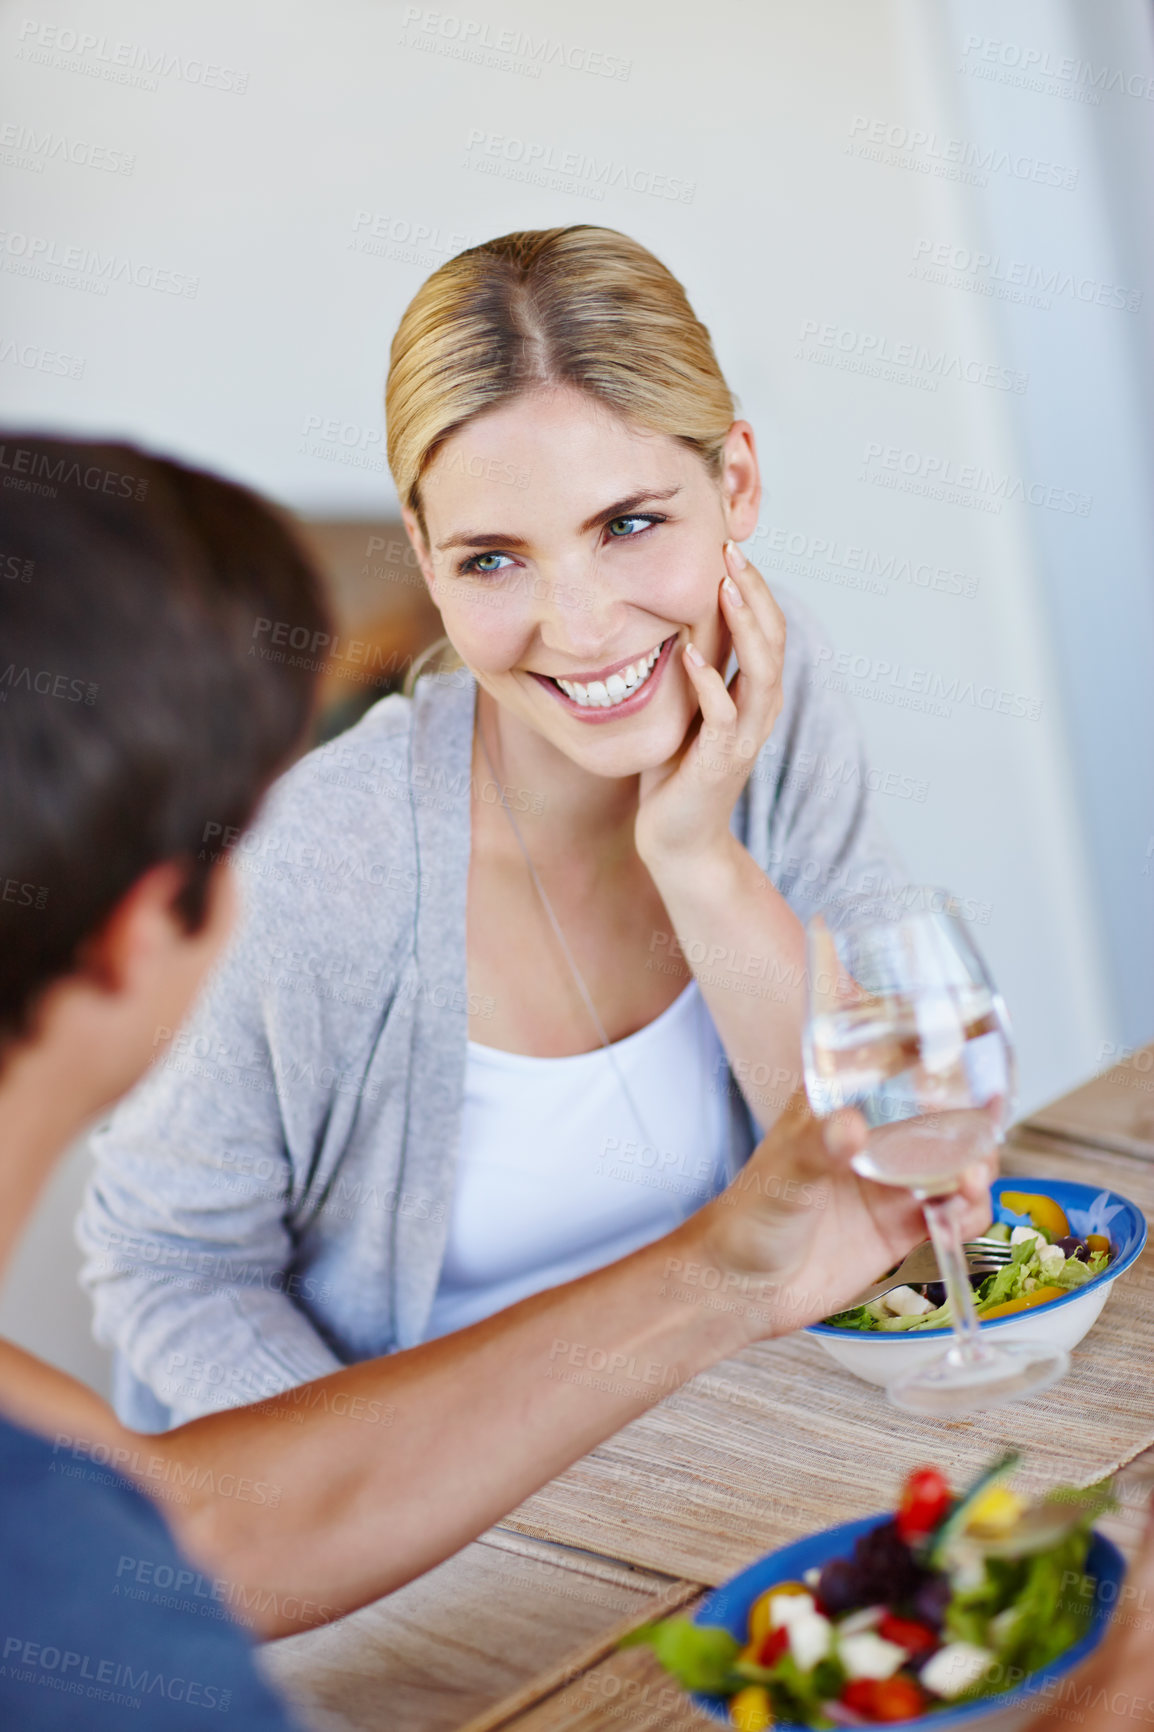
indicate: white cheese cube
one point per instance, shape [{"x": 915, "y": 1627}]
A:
[
  {"x": 784, "y": 1608},
  {"x": 1021, "y": 1234},
  {"x": 812, "y": 1577},
  {"x": 810, "y": 1639},
  {"x": 904, "y": 1302},
  {"x": 870, "y": 1656},
  {"x": 967, "y": 1564},
  {"x": 1052, "y": 1258},
  {"x": 855, "y": 1622},
  {"x": 954, "y": 1668}
]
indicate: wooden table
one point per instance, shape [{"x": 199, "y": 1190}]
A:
[{"x": 519, "y": 1630}]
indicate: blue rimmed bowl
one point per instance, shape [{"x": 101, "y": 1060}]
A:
[
  {"x": 729, "y": 1606},
  {"x": 881, "y": 1358}
]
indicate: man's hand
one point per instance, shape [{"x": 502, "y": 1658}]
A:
[{"x": 798, "y": 1233}]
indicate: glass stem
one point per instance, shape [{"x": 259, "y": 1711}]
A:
[{"x": 941, "y": 1219}]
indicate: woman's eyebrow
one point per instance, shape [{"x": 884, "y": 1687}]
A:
[{"x": 619, "y": 508}]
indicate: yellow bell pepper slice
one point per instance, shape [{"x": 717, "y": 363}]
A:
[
  {"x": 759, "y": 1611},
  {"x": 1043, "y": 1211},
  {"x": 1026, "y": 1302},
  {"x": 750, "y": 1710},
  {"x": 1097, "y": 1242},
  {"x": 995, "y": 1511}
]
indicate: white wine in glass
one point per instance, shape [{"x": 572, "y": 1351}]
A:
[{"x": 906, "y": 1025}]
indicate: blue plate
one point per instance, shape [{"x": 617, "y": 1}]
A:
[
  {"x": 1122, "y": 1220},
  {"x": 729, "y": 1606}
]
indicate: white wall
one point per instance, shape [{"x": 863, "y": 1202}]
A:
[{"x": 351, "y": 121}]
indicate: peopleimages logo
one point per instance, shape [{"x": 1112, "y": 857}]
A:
[
  {"x": 23, "y": 147},
  {"x": 382, "y": 235},
  {"x": 120, "y": 62},
  {"x": 925, "y": 150},
  {"x": 940, "y": 477},
  {"x": 916, "y": 688},
  {"x": 574, "y": 170},
  {"x": 507, "y": 50},
  {"x": 986, "y": 56},
  {"x": 104, "y": 1680},
  {"x": 84, "y": 268},
  {"x": 39, "y": 360},
  {"x": 894, "y": 356},
  {"x": 852, "y": 564},
  {"x": 990, "y": 272}
]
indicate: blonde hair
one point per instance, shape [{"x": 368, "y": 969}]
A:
[{"x": 580, "y": 306}]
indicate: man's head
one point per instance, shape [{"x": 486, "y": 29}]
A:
[{"x": 139, "y": 722}]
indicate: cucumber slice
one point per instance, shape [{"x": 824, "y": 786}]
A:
[{"x": 952, "y": 1524}]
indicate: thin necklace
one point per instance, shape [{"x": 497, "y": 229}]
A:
[{"x": 586, "y": 996}]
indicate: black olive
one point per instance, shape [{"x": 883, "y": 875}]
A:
[
  {"x": 931, "y": 1600},
  {"x": 840, "y": 1587},
  {"x": 888, "y": 1569}
]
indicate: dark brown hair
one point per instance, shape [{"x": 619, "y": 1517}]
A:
[{"x": 139, "y": 721}]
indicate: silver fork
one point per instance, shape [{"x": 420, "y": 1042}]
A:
[{"x": 983, "y": 1257}]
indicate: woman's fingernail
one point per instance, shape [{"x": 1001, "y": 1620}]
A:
[
  {"x": 734, "y": 556},
  {"x": 694, "y": 655},
  {"x": 732, "y": 592}
]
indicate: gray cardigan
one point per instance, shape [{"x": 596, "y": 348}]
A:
[{"x": 272, "y": 1200}]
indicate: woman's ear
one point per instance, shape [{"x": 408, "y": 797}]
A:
[
  {"x": 740, "y": 481},
  {"x": 420, "y": 547}
]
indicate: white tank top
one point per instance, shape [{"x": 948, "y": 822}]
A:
[{"x": 554, "y": 1176}]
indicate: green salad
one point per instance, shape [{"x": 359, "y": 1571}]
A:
[
  {"x": 1047, "y": 1261},
  {"x": 952, "y": 1599}
]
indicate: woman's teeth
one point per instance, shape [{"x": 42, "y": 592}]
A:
[{"x": 607, "y": 694}]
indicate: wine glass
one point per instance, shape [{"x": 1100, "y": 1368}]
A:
[{"x": 905, "y": 1024}]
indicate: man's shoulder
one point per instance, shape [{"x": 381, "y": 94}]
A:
[
  {"x": 100, "y": 1610},
  {"x": 70, "y": 1482}
]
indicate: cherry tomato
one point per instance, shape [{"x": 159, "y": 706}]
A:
[
  {"x": 898, "y": 1698},
  {"x": 773, "y": 1647},
  {"x": 925, "y": 1500},
  {"x": 915, "y": 1638},
  {"x": 859, "y": 1695}
]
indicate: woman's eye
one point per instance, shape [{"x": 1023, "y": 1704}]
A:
[
  {"x": 619, "y": 527},
  {"x": 484, "y": 562}
]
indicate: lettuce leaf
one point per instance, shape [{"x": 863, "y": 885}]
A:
[
  {"x": 699, "y": 1656},
  {"x": 1050, "y": 1618},
  {"x": 861, "y": 1317}
]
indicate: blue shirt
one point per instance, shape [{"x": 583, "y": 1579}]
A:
[{"x": 103, "y": 1623}]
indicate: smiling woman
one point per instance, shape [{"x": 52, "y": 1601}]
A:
[{"x": 547, "y": 1011}]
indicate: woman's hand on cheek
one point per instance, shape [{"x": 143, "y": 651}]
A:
[{"x": 686, "y": 804}]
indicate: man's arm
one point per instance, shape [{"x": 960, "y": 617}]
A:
[{"x": 377, "y": 1472}]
